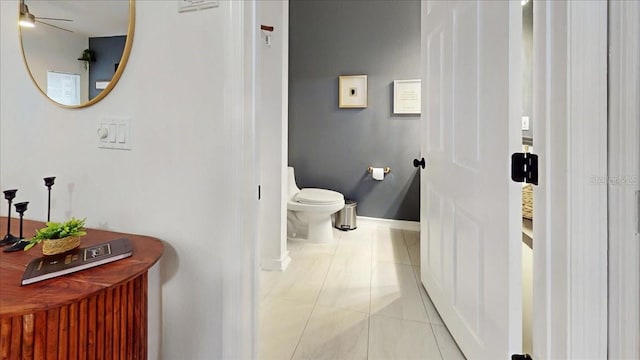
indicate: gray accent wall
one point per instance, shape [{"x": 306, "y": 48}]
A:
[
  {"x": 331, "y": 147},
  {"x": 108, "y": 52}
]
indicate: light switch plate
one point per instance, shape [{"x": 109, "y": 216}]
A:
[
  {"x": 114, "y": 133},
  {"x": 194, "y": 5},
  {"x": 525, "y": 123}
]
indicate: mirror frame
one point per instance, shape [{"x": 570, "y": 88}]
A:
[{"x": 114, "y": 80}]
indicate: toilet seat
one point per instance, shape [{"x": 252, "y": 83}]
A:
[
  {"x": 313, "y": 196},
  {"x": 309, "y": 211}
]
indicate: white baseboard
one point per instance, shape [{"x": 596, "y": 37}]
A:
[
  {"x": 394, "y": 224},
  {"x": 276, "y": 264}
]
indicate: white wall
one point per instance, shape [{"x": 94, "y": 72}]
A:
[
  {"x": 47, "y": 48},
  {"x": 272, "y": 121},
  {"x": 171, "y": 185}
]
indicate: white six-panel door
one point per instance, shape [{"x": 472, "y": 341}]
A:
[{"x": 470, "y": 209}]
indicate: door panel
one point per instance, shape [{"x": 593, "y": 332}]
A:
[
  {"x": 435, "y": 72},
  {"x": 470, "y": 210},
  {"x": 436, "y": 236},
  {"x": 468, "y": 269},
  {"x": 465, "y": 86}
]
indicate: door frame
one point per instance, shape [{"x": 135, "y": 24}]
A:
[
  {"x": 565, "y": 289},
  {"x": 240, "y": 263},
  {"x": 624, "y": 174},
  {"x": 570, "y": 232}
]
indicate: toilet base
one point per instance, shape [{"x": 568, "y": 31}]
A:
[
  {"x": 320, "y": 229},
  {"x": 313, "y": 227}
]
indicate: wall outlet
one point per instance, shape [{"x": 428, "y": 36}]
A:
[{"x": 525, "y": 123}]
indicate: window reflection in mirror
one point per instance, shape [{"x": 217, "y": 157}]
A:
[{"x": 77, "y": 49}]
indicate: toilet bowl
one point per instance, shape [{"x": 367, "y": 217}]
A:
[{"x": 309, "y": 211}]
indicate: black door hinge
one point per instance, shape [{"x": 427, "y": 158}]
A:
[
  {"x": 259, "y": 192},
  {"x": 521, "y": 357},
  {"x": 524, "y": 168}
]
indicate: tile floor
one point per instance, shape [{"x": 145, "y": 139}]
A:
[{"x": 359, "y": 298}]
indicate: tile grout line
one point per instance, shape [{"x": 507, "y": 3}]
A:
[
  {"x": 315, "y": 303},
  {"x": 419, "y": 283}
]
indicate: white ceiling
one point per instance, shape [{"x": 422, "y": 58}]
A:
[{"x": 93, "y": 18}]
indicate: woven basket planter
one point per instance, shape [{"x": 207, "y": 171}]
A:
[
  {"x": 59, "y": 246},
  {"x": 527, "y": 202}
]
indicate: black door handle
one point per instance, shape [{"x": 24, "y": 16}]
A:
[{"x": 420, "y": 163}]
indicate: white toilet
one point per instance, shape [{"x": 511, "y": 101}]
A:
[{"x": 309, "y": 212}]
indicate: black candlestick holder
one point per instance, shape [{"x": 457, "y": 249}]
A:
[
  {"x": 9, "y": 195},
  {"x": 48, "y": 182},
  {"x": 21, "y": 207}
]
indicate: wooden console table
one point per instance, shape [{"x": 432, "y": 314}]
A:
[{"x": 98, "y": 313}]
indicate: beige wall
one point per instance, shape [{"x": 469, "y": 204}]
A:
[
  {"x": 171, "y": 185},
  {"x": 50, "y": 49}
]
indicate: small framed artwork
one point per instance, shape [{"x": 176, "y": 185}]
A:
[
  {"x": 352, "y": 91},
  {"x": 407, "y": 98},
  {"x": 101, "y": 85}
]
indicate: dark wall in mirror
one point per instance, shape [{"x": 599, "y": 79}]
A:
[{"x": 107, "y": 50}]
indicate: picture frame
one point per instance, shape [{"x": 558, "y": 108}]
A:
[
  {"x": 352, "y": 93},
  {"x": 102, "y": 84},
  {"x": 407, "y": 96}
]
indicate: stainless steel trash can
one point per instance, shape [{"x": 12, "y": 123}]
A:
[{"x": 346, "y": 218}]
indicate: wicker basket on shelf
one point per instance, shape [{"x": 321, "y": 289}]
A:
[
  {"x": 527, "y": 201},
  {"x": 57, "y": 237},
  {"x": 59, "y": 246}
]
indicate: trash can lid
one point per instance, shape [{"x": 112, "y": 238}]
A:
[{"x": 350, "y": 203}]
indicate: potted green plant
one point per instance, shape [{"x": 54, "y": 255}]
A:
[
  {"x": 58, "y": 238},
  {"x": 87, "y": 56}
]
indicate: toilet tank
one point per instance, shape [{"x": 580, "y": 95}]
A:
[{"x": 293, "y": 188}]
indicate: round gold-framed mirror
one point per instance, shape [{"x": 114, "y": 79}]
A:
[{"x": 75, "y": 51}]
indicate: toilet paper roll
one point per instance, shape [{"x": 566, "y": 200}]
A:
[{"x": 377, "y": 174}]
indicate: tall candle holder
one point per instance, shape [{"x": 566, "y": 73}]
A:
[
  {"x": 21, "y": 207},
  {"x": 48, "y": 182},
  {"x": 9, "y": 195}
]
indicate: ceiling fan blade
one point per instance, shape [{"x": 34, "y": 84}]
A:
[
  {"x": 56, "y": 19},
  {"x": 57, "y": 27}
]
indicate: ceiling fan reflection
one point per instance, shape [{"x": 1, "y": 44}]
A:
[{"x": 28, "y": 19}]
